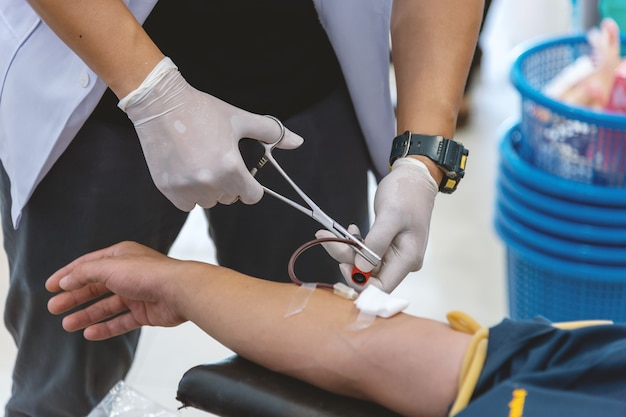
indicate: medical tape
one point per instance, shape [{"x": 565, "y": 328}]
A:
[
  {"x": 163, "y": 67},
  {"x": 304, "y": 291},
  {"x": 300, "y": 299},
  {"x": 363, "y": 321}
]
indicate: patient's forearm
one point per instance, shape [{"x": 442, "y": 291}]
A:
[{"x": 406, "y": 363}]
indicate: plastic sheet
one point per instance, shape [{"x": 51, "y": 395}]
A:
[
  {"x": 124, "y": 401},
  {"x": 300, "y": 299}
]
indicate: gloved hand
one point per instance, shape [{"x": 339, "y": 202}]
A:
[
  {"x": 403, "y": 206},
  {"x": 190, "y": 140}
]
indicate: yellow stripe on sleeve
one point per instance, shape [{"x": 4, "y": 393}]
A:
[{"x": 474, "y": 358}]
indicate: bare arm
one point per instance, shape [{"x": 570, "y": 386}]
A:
[
  {"x": 406, "y": 363},
  {"x": 106, "y": 35},
  {"x": 433, "y": 42}
]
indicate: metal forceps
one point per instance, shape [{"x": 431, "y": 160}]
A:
[{"x": 314, "y": 212}]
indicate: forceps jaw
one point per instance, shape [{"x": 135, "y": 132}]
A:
[
  {"x": 360, "y": 247},
  {"x": 358, "y": 276}
]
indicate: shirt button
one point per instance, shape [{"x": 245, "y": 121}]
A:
[{"x": 83, "y": 79}]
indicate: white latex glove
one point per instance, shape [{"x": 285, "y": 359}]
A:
[
  {"x": 190, "y": 140},
  {"x": 403, "y": 207}
]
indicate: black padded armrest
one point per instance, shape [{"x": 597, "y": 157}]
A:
[{"x": 237, "y": 387}]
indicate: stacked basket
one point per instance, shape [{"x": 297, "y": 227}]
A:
[{"x": 561, "y": 198}]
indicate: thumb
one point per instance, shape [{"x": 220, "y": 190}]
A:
[
  {"x": 268, "y": 129},
  {"x": 290, "y": 140}
]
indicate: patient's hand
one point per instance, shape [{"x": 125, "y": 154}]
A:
[{"x": 142, "y": 287}]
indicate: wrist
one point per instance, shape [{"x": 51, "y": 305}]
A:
[
  {"x": 448, "y": 156},
  {"x": 433, "y": 169},
  {"x": 419, "y": 168},
  {"x": 186, "y": 292},
  {"x": 133, "y": 73},
  {"x": 158, "y": 72}
]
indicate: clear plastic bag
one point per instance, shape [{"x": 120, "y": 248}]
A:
[{"x": 124, "y": 401}]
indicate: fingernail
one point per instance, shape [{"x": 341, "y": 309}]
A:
[{"x": 63, "y": 281}]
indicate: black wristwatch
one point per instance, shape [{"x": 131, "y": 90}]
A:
[{"x": 448, "y": 155}]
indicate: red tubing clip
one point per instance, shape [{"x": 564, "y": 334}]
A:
[{"x": 359, "y": 277}]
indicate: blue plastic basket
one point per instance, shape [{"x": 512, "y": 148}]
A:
[
  {"x": 513, "y": 165},
  {"x": 576, "y": 143},
  {"x": 549, "y": 274},
  {"x": 523, "y": 196},
  {"x": 559, "y": 248},
  {"x": 541, "y": 285},
  {"x": 557, "y": 227}
]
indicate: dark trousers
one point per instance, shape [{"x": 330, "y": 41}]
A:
[{"x": 100, "y": 192}]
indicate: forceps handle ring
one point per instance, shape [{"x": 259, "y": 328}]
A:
[{"x": 264, "y": 159}]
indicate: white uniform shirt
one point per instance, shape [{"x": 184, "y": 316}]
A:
[{"x": 47, "y": 92}]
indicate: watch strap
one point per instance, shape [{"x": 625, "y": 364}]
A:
[{"x": 448, "y": 155}]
